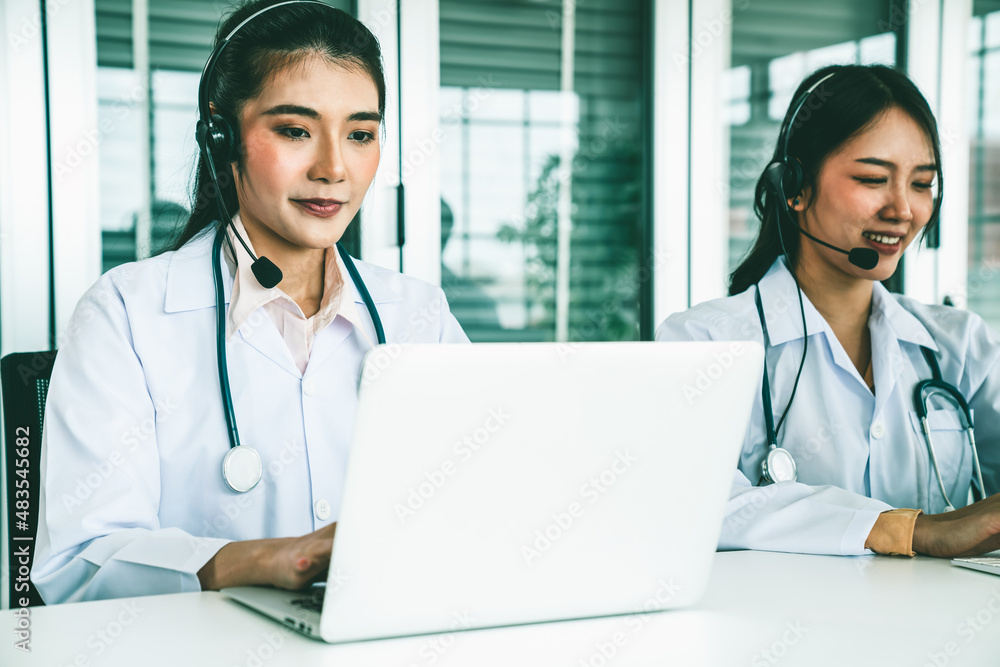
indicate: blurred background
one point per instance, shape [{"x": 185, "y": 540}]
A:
[{"x": 564, "y": 169}]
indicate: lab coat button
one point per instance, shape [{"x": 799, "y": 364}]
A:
[
  {"x": 309, "y": 388},
  {"x": 322, "y": 510},
  {"x": 878, "y": 430}
]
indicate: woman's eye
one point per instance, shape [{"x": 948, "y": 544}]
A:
[
  {"x": 361, "y": 136},
  {"x": 293, "y": 132},
  {"x": 923, "y": 186},
  {"x": 871, "y": 180}
]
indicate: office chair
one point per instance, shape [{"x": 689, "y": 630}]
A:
[{"x": 24, "y": 379}]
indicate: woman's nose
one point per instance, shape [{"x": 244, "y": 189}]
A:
[
  {"x": 898, "y": 207},
  {"x": 328, "y": 164}
]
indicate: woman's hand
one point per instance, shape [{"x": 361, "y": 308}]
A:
[
  {"x": 967, "y": 531},
  {"x": 296, "y": 562},
  {"x": 284, "y": 562}
]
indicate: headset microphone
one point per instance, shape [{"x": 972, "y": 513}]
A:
[
  {"x": 267, "y": 274},
  {"x": 863, "y": 258}
]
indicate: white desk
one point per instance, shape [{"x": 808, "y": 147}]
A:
[{"x": 761, "y": 609}]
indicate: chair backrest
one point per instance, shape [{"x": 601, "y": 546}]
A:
[{"x": 24, "y": 379}]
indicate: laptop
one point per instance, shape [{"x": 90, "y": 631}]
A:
[
  {"x": 491, "y": 485},
  {"x": 985, "y": 563}
]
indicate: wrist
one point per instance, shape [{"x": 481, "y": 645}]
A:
[
  {"x": 923, "y": 535},
  {"x": 207, "y": 575}
]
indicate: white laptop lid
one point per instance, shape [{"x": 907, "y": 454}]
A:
[{"x": 497, "y": 484}]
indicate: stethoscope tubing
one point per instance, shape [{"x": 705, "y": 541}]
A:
[
  {"x": 220, "y": 340},
  {"x": 220, "y": 309},
  {"x": 921, "y": 393}
]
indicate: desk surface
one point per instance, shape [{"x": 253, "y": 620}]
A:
[{"x": 761, "y": 609}]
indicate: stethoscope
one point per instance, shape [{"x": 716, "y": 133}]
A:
[
  {"x": 242, "y": 468},
  {"x": 937, "y": 386},
  {"x": 779, "y": 465}
]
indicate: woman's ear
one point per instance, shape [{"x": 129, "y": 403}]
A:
[{"x": 801, "y": 201}]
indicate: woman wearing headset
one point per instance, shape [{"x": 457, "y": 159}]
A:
[
  {"x": 839, "y": 425},
  {"x": 149, "y": 485}
]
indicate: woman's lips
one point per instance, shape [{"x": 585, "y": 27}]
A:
[
  {"x": 323, "y": 208},
  {"x": 884, "y": 248}
]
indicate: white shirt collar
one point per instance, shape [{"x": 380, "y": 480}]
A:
[
  {"x": 248, "y": 295},
  {"x": 781, "y": 311}
]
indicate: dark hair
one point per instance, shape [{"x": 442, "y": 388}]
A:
[
  {"x": 272, "y": 41},
  {"x": 838, "y": 110}
]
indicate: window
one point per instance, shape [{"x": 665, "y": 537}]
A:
[
  {"x": 983, "y": 291},
  {"x": 544, "y": 132}
]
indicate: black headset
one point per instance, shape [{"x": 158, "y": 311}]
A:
[
  {"x": 217, "y": 142},
  {"x": 784, "y": 174}
]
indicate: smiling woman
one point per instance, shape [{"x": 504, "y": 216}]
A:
[
  {"x": 292, "y": 102},
  {"x": 857, "y": 444},
  {"x": 875, "y": 190}
]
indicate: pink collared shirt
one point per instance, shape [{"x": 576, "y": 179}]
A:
[{"x": 297, "y": 330}]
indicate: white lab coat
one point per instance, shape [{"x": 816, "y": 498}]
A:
[
  {"x": 857, "y": 454},
  {"x": 134, "y": 436}
]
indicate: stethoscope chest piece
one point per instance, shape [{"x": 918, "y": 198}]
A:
[
  {"x": 242, "y": 468},
  {"x": 778, "y": 466}
]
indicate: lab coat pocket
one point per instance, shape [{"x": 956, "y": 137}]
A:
[
  {"x": 938, "y": 420},
  {"x": 951, "y": 448}
]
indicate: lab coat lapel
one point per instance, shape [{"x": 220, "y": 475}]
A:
[
  {"x": 327, "y": 341},
  {"x": 260, "y": 333},
  {"x": 780, "y": 302},
  {"x": 887, "y": 359},
  {"x": 191, "y": 285},
  {"x": 892, "y": 327},
  {"x": 353, "y": 317},
  {"x": 784, "y": 320}
]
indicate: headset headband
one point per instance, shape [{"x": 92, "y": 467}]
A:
[
  {"x": 795, "y": 114},
  {"x": 204, "y": 110}
]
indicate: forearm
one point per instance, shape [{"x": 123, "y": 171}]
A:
[
  {"x": 237, "y": 564},
  {"x": 966, "y": 531}
]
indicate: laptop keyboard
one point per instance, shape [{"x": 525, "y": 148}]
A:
[
  {"x": 314, "y": 601},
  {"x": 988, "y": 563}
]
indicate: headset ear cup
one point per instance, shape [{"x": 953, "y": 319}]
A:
[
  {"x": 774, "y": 176},
  {"x": 222, "y": 142},
  {"x": 793, "y": 177}
]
